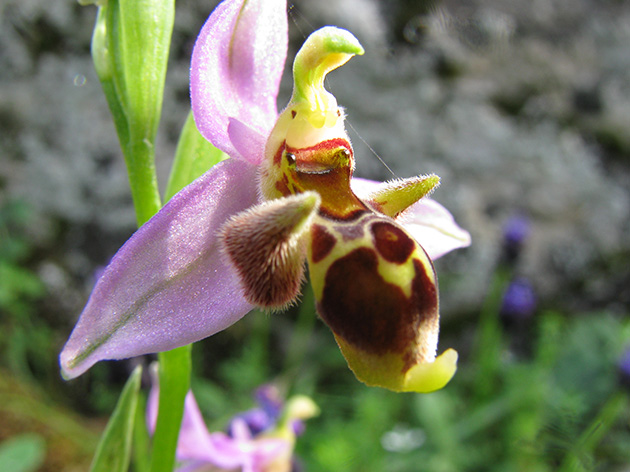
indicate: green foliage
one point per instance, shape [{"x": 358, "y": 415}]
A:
[
  {"x": 24, "y": 453},
  {"x": 25, "y": 340},
  {"x": 114, "y": 450},
  {"x": 194, "y": 156},
  {"x": 560, "y": 406}
]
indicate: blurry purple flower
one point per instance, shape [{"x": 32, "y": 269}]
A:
[
  {"x": 270, "y": 406},
  {"x": 515, "y": 232},
  {"x": 269, "y": 399},
  {"x": 170, "y": 285},
  {"x": 623, "y": 368},
  {"x": 256, "y": 420},
  {"x": 519, "y": 301},
  {"x": 200, "y": 450},
  {"x": 298, "y": 427},
  {"x": 267, "y": 450}
]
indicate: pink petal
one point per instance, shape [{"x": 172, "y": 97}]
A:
[
  {"x": 434, "y": 228},
  {"x": 235, "y": 72},
  {"x": 194, "y": 437},
  {"x": 197, "y": 447},
  {"x": 427, "y": 221},
  {"x": 244, "y": 139},
  {"x": 168, "y": 285}
]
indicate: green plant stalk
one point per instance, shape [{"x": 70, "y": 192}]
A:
[
  {"x": 481, "y": 419},
  {"x": 174, "y": 373},
  {"x": 532, "y": 382},
  {"x": 435, "y": 413},
  {"x": 140, "y": 159},
  {"x": 488, "y": 344},
  {"x": 130, "y": 49}
]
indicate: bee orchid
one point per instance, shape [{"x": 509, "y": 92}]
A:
[{"x": 240, "y": 236}]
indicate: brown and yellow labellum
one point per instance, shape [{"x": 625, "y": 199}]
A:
[
  {"x": 376, "y": 289},
  {"x": 267, "y": 246}
]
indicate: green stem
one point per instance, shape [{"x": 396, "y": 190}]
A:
[
  {"x": 174, "y": 372},
  {"x": 130, "y": 47},
  {"x": 488, "y": 346},
  {"x": 140, "y": 159}
]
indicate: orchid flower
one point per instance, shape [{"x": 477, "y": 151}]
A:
[
  {"x": 243, "y": 448},
  {"x": 239, "y": 236}
]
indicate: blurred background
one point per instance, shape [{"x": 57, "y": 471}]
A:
[{"x": 523, "y": 110}]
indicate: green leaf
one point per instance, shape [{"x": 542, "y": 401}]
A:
[
  {"x": 18, "y": 283},
  {"x": 24, "y": 453},
  {"x": 193, "y": 157},
  {"x": 113, "y": 452},
  {"x": 141, "y": 439}
]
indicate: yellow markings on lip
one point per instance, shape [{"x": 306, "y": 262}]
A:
[
  {"x": 319, "y": 269},
  {"x": 397, "y": 274},
  {"x": 388, "y": 370}
]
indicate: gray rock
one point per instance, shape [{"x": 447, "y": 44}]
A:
[{"x": 518, "y": 108}]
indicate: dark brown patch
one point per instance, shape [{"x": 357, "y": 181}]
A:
[
  {"x": 322, "y": 242},
  {"x": 363, "y": 309},
  {"x": 293, "y": 114},
  {"x": 424, "y": 293},
  {"x": 392, "y": 242},
  {"x": 372, "y": 314}
]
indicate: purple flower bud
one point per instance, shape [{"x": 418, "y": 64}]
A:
[
  {"x": 623, "y": 368},
  {"x": 256, "y": 420},
  {"x": 269, "y": 399},
  {"x": 519, "y": 301},
  {"x": 515, "y": 232}
]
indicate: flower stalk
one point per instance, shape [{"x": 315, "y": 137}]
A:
[{"x": 130, "y": 46}]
